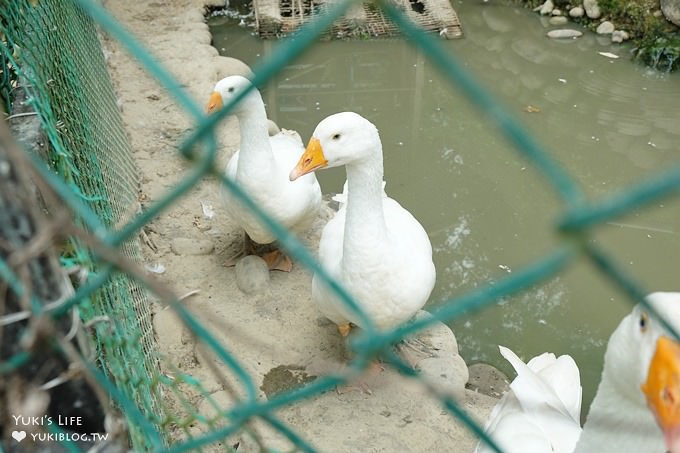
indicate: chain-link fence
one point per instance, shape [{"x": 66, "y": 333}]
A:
[{"x": 79, "y": 242}]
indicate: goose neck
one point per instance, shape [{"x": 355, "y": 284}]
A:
[
  {"x": 618, "y": 423},
  {"x": 255, "y": 147},
  {"x": 365, "y": 222}
]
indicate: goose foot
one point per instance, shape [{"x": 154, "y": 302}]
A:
[
  {"x": 363, "y": 383},
  {"x": 276, "y": 260},
  {"x": 344, "y": 329}
]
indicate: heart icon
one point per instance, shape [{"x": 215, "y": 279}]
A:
[{"x": 19, "y": 435}]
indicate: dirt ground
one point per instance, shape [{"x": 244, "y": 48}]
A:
[{"x": 277, "y": 333}]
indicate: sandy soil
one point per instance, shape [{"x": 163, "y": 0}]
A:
[{"x": 277, "y": 333}]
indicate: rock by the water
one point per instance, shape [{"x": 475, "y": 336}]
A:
[
  {"x": 671, "y": 11},
  {"x": 546, "y": 8},
  {"x": 556, "y": 12},
  {"x": 190, "y": 246},
  {"x": 564, "y": 33},
  {"x": 558, "y": 20},
  {"x": 487, "y": 379},
  {"x": 438, "y": 337},
  {"x": 252, "y": 274},
  {"x": 620, "y": 36},
  {"x": 576, "y": 11},
  {"x": 434, "y": 353},
  {"x": 592, "y": 9},
  {"x": 605, "y": 28}
]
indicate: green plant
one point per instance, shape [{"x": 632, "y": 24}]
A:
[{"x": 661, "y": 52}]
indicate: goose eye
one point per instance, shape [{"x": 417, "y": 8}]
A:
[
  {"x": 230, "y": 89},
  {"x": 336, "y": 137},
  {"x": 644, "y": 322}
]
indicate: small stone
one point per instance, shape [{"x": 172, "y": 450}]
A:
[
  {"x": 252, "y": 274},
  {"x": 556, "y": 12},
  {"x": 546, "y": 8},
  {"x": 576, "y": 11},
  {"x": 592, "y": 9},
  {"x": 189, "y": 246},
  {"x": 558, "y": 20},
  {"x": 620, "y": 36},
  {"x": 564, "y": 33},
  {"x": 488, "y": 380},
  {"x": 605, "y": 28}
]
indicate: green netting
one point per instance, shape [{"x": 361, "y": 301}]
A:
[{"x": 51, "y": 49}]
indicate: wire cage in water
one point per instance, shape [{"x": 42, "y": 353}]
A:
[{"x": 275, "y": 18}]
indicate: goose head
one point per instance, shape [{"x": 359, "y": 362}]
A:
[
  {"x": 642, "y": 364},
  {"x": 661, "y": 380},
  {"x": 341, "y": 139},
  {"x": 633, "y": 343},
  {"x": 226, "y": 90}
]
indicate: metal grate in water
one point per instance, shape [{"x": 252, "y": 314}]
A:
[{"x": 276, "y": 18}]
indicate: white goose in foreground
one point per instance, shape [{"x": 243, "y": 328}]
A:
[
  {"x": 640, "y": 383},
  {"x": 373, "y": 246},
  {"x": 261, "y": 167}
]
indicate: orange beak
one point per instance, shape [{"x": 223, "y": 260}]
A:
[
  {"x": 312, "y": 159},
  {"x": 215, "y": 102},
  {"x": 662, "y": 390}
]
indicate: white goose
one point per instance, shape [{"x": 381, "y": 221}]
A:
[
  {"x": 541, "y": 411},
  {"x": 375, "y": 247},
  {"x": 261, "y": 167}
]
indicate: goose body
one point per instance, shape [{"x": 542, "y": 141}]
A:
[
  {"x": 541, "y": 411},
  {"x": 261, "y": 167},
  {"x": 373, "y": 246}
]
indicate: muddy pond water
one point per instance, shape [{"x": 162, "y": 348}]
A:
[{"x": 608, "y": 121}]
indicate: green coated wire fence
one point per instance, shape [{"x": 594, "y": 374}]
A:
[
  {"x": 52, "y": 57},
  {"x": 51, "y": 52}
]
